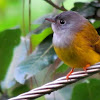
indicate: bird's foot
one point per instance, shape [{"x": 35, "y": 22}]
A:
[
  {"x": 67, "y": 76},
  {"x": 85, "y": 68}
]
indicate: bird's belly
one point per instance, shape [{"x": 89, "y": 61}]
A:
[
  {"x": 68, "y": 56},
  {"x": 76, "y": 60}
]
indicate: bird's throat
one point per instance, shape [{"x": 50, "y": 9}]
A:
[{"x": 62, "y": 41}]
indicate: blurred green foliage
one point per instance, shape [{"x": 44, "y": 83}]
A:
[
  {"x": 7, "y": 47},
  {"x": 88, "y": 90},
  {"x": 25, "y": 54}
]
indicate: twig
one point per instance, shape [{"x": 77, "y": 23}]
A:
[
  {"x": 57, "y": 84},
  {"x": 29, "y": 15},
  {"x": 30, "y": 49},
  {"x": 55, "y": 6}
]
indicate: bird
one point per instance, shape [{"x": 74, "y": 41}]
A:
[{"x": 75, "y": 40}]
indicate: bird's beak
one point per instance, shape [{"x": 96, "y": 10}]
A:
[{"x": 50, "y": 20}]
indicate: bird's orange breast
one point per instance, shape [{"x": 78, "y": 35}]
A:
[{"x": 67, "y": 55}]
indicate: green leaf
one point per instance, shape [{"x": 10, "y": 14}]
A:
[
  {"x": 69, "y": 4},
  {"x": 37, "y": 61},
  {"x": 20, "y": 53},
  {"x": 90, "y": 90},
  {"x": 19, "y": 90},
  {"x": 61, "y": 68},
  {"x": 86, "y": 11},
  {"x": 96, "y": 24},
  {"x": 8, "y": 40},
  {"x": 38, "y": 38},
  {"x": 78, "y": 5}
]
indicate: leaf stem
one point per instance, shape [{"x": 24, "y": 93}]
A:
[
  {"x": 23, "y": 22},
  {"x": 30, "y": 50}
]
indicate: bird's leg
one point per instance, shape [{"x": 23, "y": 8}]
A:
[
  {"x": 85, "y": 68},
  {"x": 67, "y": 76}
]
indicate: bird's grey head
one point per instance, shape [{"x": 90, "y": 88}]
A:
[
  {"x": 65, "y": 26},
  {"x": 67, "y": 21}
]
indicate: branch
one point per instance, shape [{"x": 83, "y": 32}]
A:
[
  {"x": 58, "y": 83},
  {"x": 55, "y": 6}
]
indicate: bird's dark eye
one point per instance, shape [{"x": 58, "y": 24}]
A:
[{"x": 62, "y": 21}]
